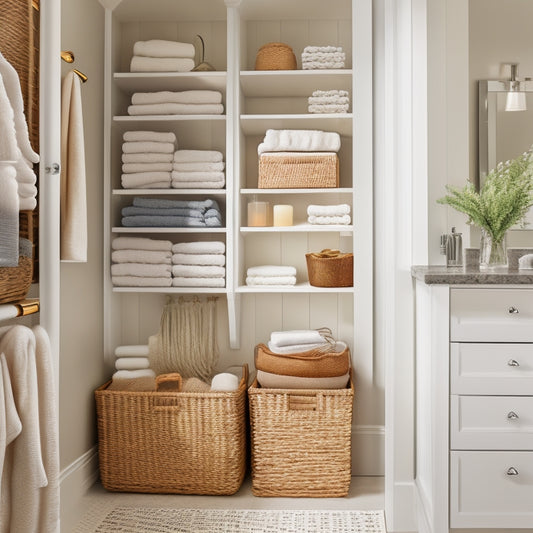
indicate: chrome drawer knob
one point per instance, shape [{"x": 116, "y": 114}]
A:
[
  {"x": 513, "y": 362},
  {"x": 512, "y": 416},
  {"x": 513, "y": 310},
  {"x": 512, "y": 471}
]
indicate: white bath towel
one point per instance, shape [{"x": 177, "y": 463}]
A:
[
  {"x": 198, "y": 271},
  {"x": 161, "y": 64},
  {"x": 328, "y": 100},
  {"x": 147, "y": 157},
  {"x": 9, "y": 217},
  {"x": 25, "y": 172},
  {"x": 132, "y": 350},
  {"x": 198, "y": 176},
  {"x": 199, "y": 167},
  {"x": 139, "y": 179},
  {"x": 132, "y": 363},
  {"x": 271, "y": 270},
  {"x": 153, "y": 185},
  {"x": 200, "y": 96},
  {"x": 26, "y": 190},
  {"x": 332, "y": 220},
  {"x": 197, "y": 184},
  {"x": 133, "y": 374},
  {"x": 331, "y": 92},
  {"x": 143, "y": 270},
  {"x": 136, "y": 147},
  {"x": 300, "y": 141},
  {"x": 150, "y": 136},
  {"x": 328, "y": 210},
  {"x": 199, "y": 247},
  {"x": 163, "y": 48},
  {"x": 225, "y": 381},
  {"x": 176, "y": 109},
  {"x": 199, "y": 259},
  {"x": 323, "y": 56},
  {"x": 195, "y": 156},
  {"x": 27, "y": 204},
  {"x": 73, "y": 186},
  {"x": 132, "y": 168},
  {"x": 295, "y": 348},
  {"x": 318, "y": 65},
  {"x": 142, "y": 256},
  {"x": 270, "y": 280},
  {"x": 328, "y": 108},
  {"x": 296, "y": 337},
  {"x": 322, "y": 49},
  {"x": 198, "y": 282},
  {"x": 135, "y": 281},
  {"x": 9, "y": 150}
]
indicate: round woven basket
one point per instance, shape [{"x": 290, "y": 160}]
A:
[
  {"x": 275, "y": 56},
  {"x": 336, "y": 271}
]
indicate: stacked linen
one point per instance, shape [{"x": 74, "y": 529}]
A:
[
  {"x": 147, "y": 159},
  {"x": 162, "y": 213},
  {"x": 159, "y": 55},
  {"x": 194, "y": 102},
  {"x": 329, "y": 214},
  {"x": 268, "y": 275},
  {"x": 322, "y": 57},
  {"x": 198, "y": 169},
  {"x": 141, "y": 262},
  {"x": 199, "y": 264},
  {"x": 333, "y": 101},
  {"x": 133, "y": 370},
  {"x": 300, "y": 141}
]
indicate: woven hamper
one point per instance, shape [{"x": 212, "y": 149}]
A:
[
  {"x": 330, "y": 270},
  {"x": 301, "y": 441},
  {"x": 293, "y": 170},
  {"x": 172, "y": 442},
  {"x": 275, "y": 56}
]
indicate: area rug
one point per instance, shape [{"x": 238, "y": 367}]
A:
[{"x": 158, "y": 520}]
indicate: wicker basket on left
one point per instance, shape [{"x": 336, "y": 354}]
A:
[{"x": 172, "y": 442}]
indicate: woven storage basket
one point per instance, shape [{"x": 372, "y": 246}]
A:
[
  {"x": 275, "y": 56},
  {"x": 15, "y": 281},
  {"x": 330, "y": 269},
  {"x": 295, "y": 170},
  {"x": 301, "y": 441},
  {"x": 172, "y": 442}
]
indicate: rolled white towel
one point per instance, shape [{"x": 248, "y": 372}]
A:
[
  {"x": 196, "y": 96},
  {"x": 132, "y": 363},
  {"x": 147, "y": 157},
  {"x": 150, "y": 136},
  {"x": 270, "y": 280},
  {"x": 195, "y": 156},
  {"x": 296, "y": 337},
  {"x": 161, "y": 64},
  {"x": 333, "y": 220},
  {"x": 199, "y": 167},
  {"x": 224, "y": 382},
  {"x": 135, "y": 147},
  {"x": 134, "y": 374},
  {"x": 141, "y": 270},
  {"x": 199, "y": 247},
  {"x": 271, "y": 270},
  {"x": 300, "y": 141},
  {"x": 198, "y": 271},
  {"x": 135, "y": 281},
  {"x": 163, "y": 48},
  {"x": 141, "y": 243},
  {"x": 199, "y": 259},
  {"x": 198, "y": 282},
  {"x": 328, "y": 108},
  {"x": 328, "y": 210},
  {"x": 212, "y": 177},
  {"x": 197, "y": 184},
  {"x": 135, "y": 350},
  {"x": 175, "y": 109},
  {"x": 133, "y": 168},
  {"x": 142, "y": 256}
]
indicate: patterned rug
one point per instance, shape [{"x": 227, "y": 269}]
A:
[{"x": 157, "y": 520}]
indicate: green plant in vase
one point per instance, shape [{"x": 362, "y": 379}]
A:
[{"x": 502, "y": 201}]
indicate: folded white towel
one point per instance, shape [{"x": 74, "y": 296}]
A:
[
  {"x": 135, "y": 281},
  {"x": 141, "y": 243},
  {"x": 151, "y": 185},
  {"x": 27, "y": 204},
  {"x": 270, "y": 280},
  {"x": 132, "y": 363},
  {"x": 199, "y": 247},
  {"x": 200, "y": 96},
  {"x": 342, "y": 220},
  {"x": 25, "y": 172},
  {"x": 9, "y": 150},
  {"x": 199, "y": 259},
  {"x": 199, "y": 167},
  {"x": 132, "y": 168},
  {"x": 135, "y": 350},
  {"x": 198, "y": 282},
  {"x": 145, "y": 157},
  {"x": 295, "y": 348},
  {"x": 195, "y": 156},
  {"x": 271, "y": 270},
  {"x": 296, "y": 336},
  {"x": 300, "y": 141},
  {"x": 176, "y": 109},
  {"x": 323, "y": 56},
  {"x": 163, "y": 48},
  {"x": 197, "y": 184},
  {"x": 134, "y": 374},
  {"x": 142, "y": 256},
  {"x": 136, "y": 147},
  {"x": 198, "y": 176},
  {"x": 328, "y": 108},
  {"x": 328, "y": 210},
  {"x": 325, "y": 100},
  {"x": 150, "y": 136},
  {"x": 313, "y": 49},
  {"x": 198, "y": 271},
  {"x": 224, "y": 382},
  {"x": 161, "y": 64},
  {"x": 317, "y": 65},
  {"x": 143, "y": 270},
  {"x": 331, "y": 92},
  {"x": 26, "y": 190},
  {"x": 140, "y": 179}
]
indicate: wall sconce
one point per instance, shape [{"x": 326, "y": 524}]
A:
[{"x": 516, "y": 99}]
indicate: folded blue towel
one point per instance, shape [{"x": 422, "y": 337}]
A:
[
  {"x": 212, "y": 213},
  {"x": 163, "y": 222},
  {"x": 163, "y": 211},
  {"x": 213, "y": 222},
  {"x": 163, "y": 203}
]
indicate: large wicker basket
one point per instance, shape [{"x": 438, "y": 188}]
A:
[
  {"x": 301, "y": 441},
  {"x": 294, "y": 170},
  {"x": 172, "y": 442},
  {"x": 330, "y": 268},
  {"x": 275, "y": 56}
]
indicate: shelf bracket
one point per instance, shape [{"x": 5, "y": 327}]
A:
[{"x": 234, "y": 320}]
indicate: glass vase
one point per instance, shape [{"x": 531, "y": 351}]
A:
[{"x": 492, "y": 253}]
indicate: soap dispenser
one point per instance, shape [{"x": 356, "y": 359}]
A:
[{"x": 451, "y": 245}]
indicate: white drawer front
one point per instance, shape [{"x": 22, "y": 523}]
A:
[
  {"x": 491, "y": 369},
  {"x": 491, "y": 315},
  {"x": 491, "y": 423},
  {"x": 485, "y": 494}
]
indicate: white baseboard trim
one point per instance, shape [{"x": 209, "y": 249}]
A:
[
  {"x": 368, "y": 450},
  {"x": 82, "y": 473},
  {"x": 400, "y": 508}
]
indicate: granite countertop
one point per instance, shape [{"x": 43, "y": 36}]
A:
[{"x": 440, "y": 274}]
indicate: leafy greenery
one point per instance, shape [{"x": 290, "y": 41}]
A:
[{"x": 502, "y": 201}]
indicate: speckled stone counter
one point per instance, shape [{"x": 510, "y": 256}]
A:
[{"x": 439, "y": 274}]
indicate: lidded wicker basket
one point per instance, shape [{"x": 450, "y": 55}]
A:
[
  {"x": 275, "y": 56},
  {"x": 330, "y": 268}
]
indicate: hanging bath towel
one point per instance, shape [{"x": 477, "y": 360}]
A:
[{"x": 73, "y": 188}]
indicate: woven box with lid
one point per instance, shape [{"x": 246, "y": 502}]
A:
[
  {"x": 301, "y": 441},
  {"x": 172, "y": 442}
]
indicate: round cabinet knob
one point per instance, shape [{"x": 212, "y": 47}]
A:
[
  {"x": 513, "y": 310},
  {"x": 513, "y": 362},
  {"x": 512, "y": 471},
  {"x": 512, "y": 416}
]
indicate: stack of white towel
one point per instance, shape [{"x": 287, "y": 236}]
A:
[
  {"x": 159, "y": 55},
  {"x": 323, "y": 57},
  {"x": 198, "y": 169},
  {"x": 268, "y": 275},
  {"x": 328, "y": 214},
  {"x": 300, "y": 141},
  {"x": 147, "y": 159},
  {"x": 194, "y": 102},
  {"x": 299, "y": 340},
  {"x": 141, "y": 262},
  {"x": 199, "y": 264},
  {"x": 133, "y": 370},
  {"x": 333, "y": 101}
]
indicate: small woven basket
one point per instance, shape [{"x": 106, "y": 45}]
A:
[
  {"x": 275, "y": 56},
  {"x": 172, "y": 442},
  {"x": 330, "y": 268}
]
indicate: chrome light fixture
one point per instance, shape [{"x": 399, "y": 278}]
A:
[{"x": 516, "y": 99}]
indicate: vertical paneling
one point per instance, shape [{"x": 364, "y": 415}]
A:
[
  {"x": 295, "y": 311},
  {"x": 323, "y": 33},
  {"x": 159, "y": 30},
  {"x": 131, "y": 33},
  {"x": 295, "y": 33},
  {"x": 323, "y": 312},
  {"x": 268, "y": 316},
  {"x": 293, "y": 250},
  {"x": 345, "y": 40},
  {"x": 129, "y": 318}
]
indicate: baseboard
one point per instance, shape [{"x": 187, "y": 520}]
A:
[
  {"x": 368, "y": 450},
  {"x": 400, "y": 508}
]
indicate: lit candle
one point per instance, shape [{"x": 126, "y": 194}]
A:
[
  {"x": 258, "y": 214},
  {"x": 283, "y": 215}
]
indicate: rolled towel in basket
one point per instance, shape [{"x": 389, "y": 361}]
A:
[
  {"x": 193, "y": 97},
  {"x": 294, "y": 348},
  {"x": 225, "y": 382},
  {"x": 132, "y": 363},
  {"x": 195, "y": 156},
  {"x": 161, "y": 64},
  {"x": 300, "y": 141},
  {"x": 296, "y": 337},
  {"x": 150, "y": 136},
  {"x": 163, "y": 48},
  {"x": 141, "y": 243}
]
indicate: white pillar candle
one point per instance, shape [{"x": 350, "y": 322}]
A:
[
  {"x": 258, "y": 214},
  {"x": 283, "y": 215}
]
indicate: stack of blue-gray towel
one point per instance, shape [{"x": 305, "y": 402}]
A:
[{"x": 163, "y": 213}]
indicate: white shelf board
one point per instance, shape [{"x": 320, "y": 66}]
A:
[
  {"x": 328, "y": 190},
  {"x": 298, "y": 288},
  {"x": 342, "y": 123},
  {"x": 257, "y": 83},
  {"x": 173, "y": 290},
  {"x": 170, "y": 81},
  {"x": 304, "y": 228},
  {"x": 167, "y": 192},
  {"x": 148, "y": 120},
  {"x": 120, "y": 229}
]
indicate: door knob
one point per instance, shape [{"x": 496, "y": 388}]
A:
[
  {"x": 513, "y": 362},
  {"x": 513, "y": 310},
  {"x": 512, "y": 471},
  {"x": 512, "y": 416}
]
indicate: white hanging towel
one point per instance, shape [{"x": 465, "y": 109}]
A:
[{"x": 73, "y": 187}]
